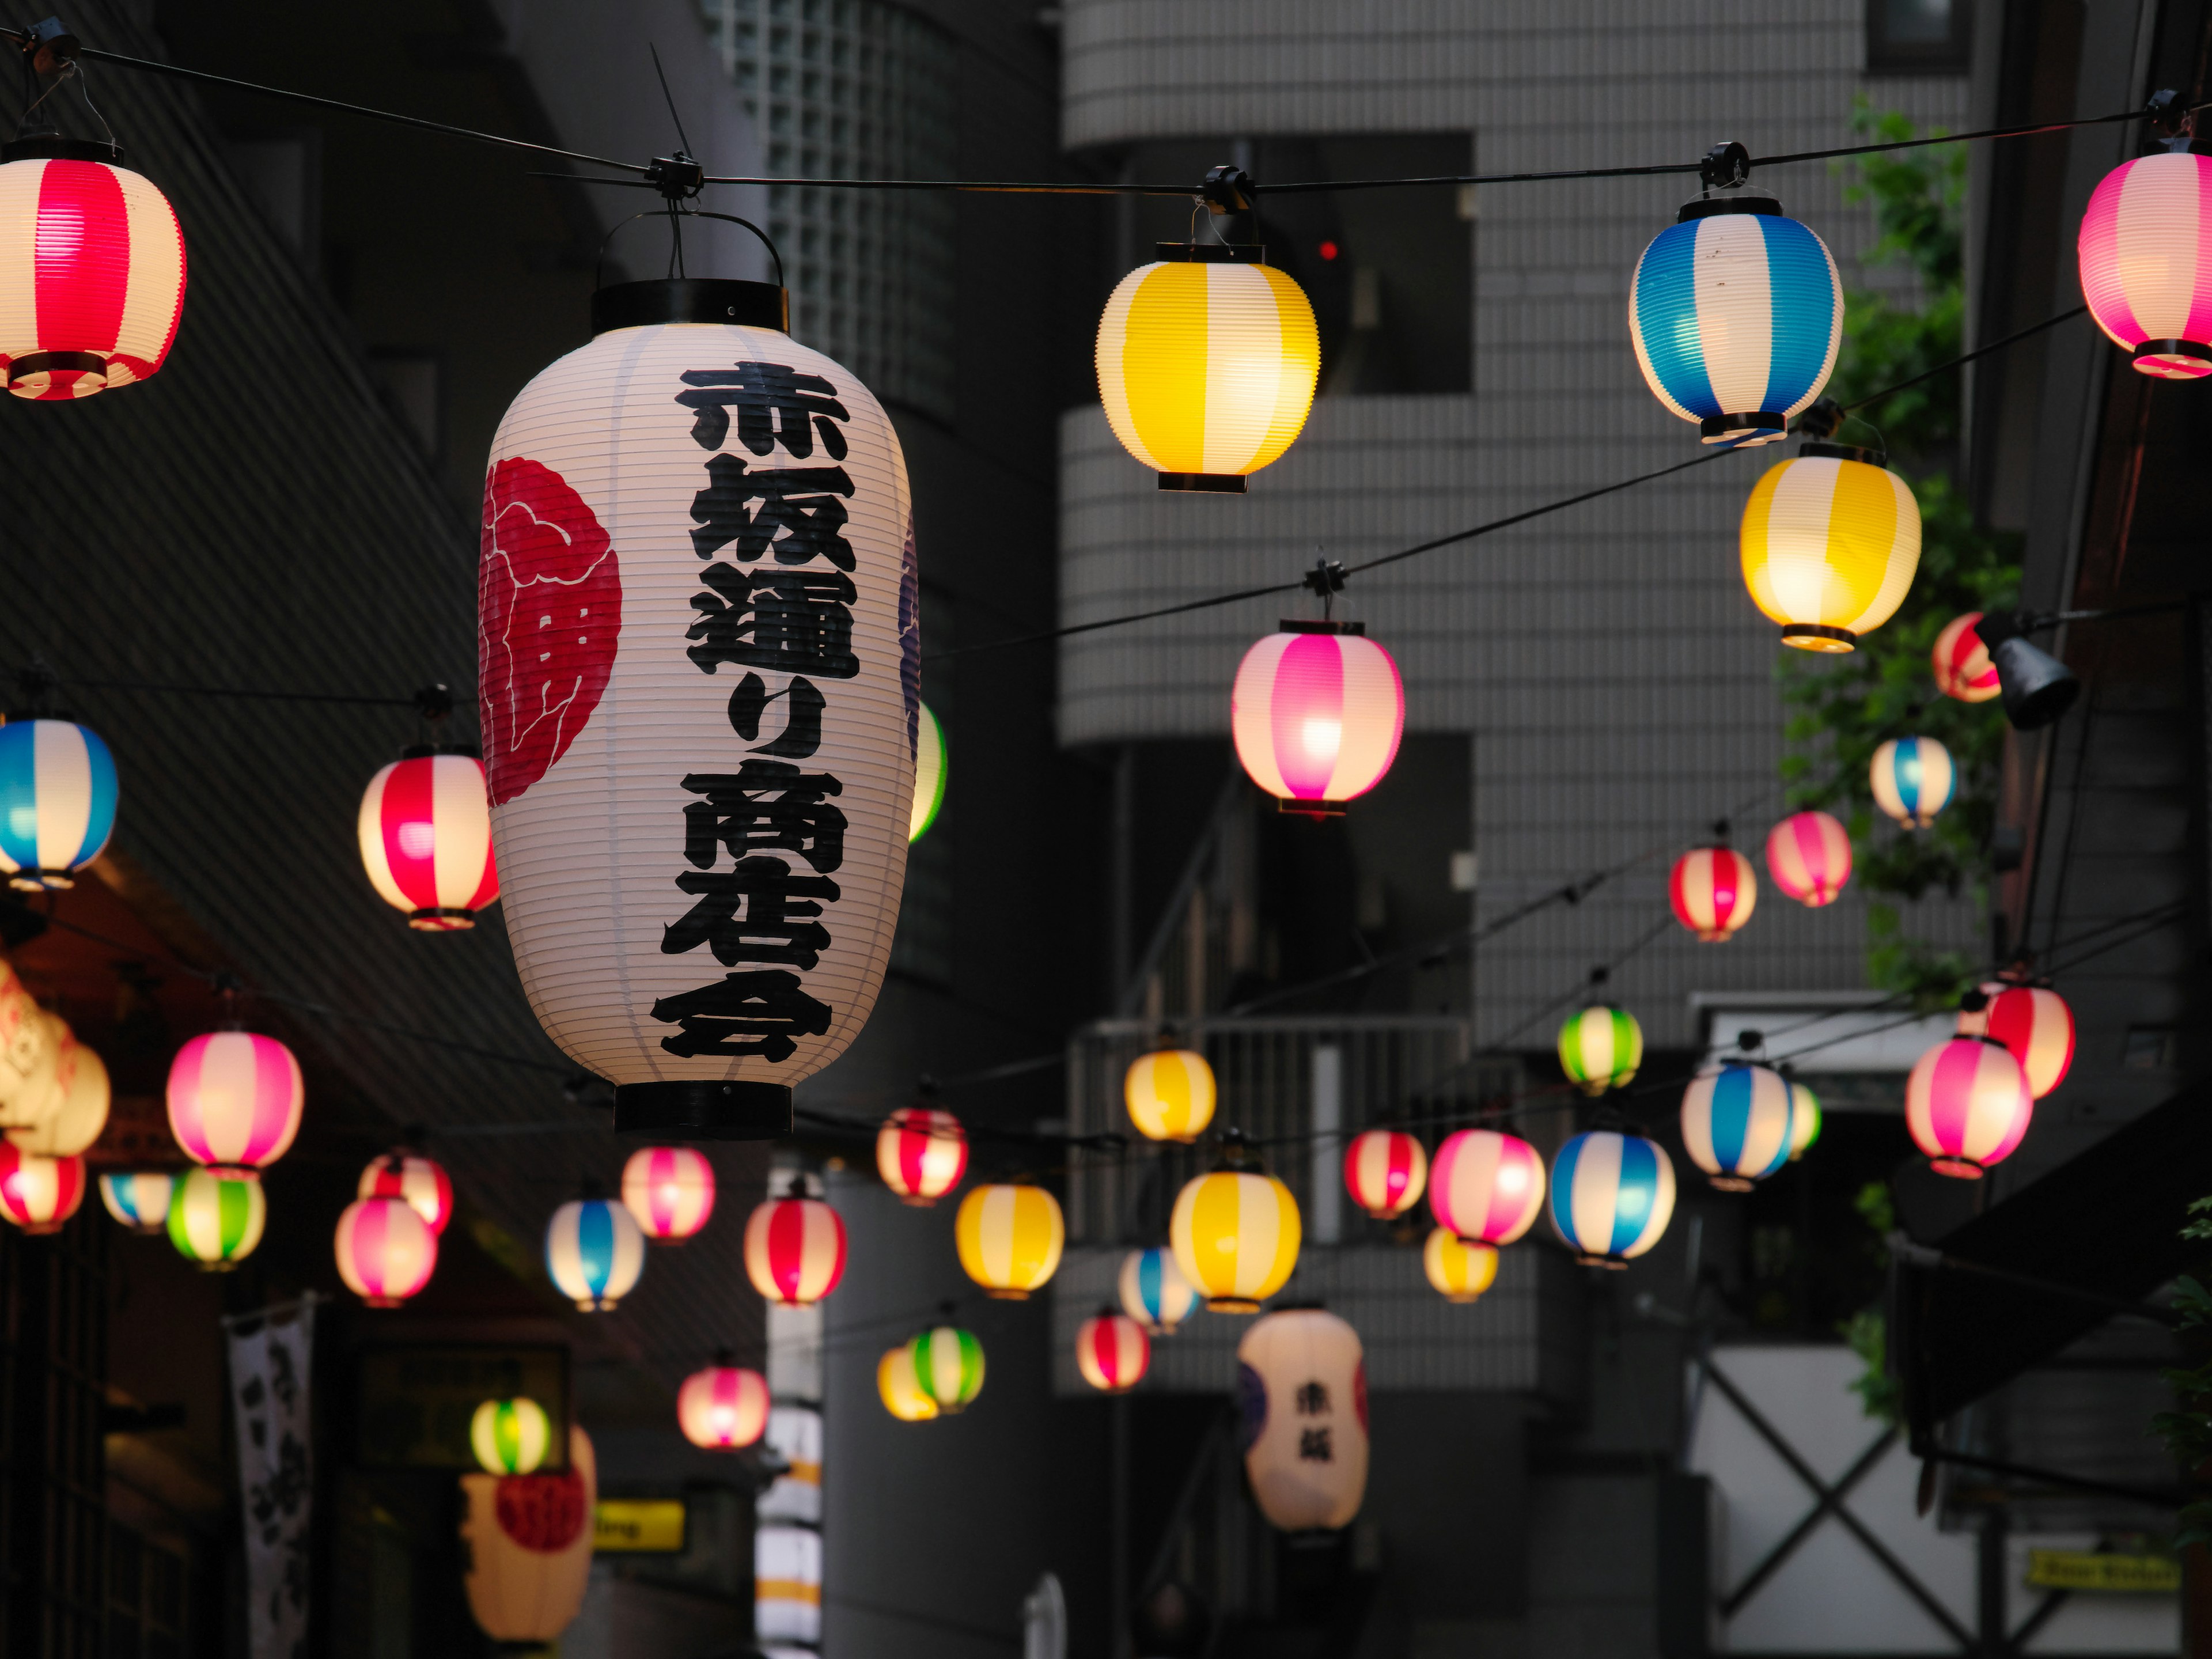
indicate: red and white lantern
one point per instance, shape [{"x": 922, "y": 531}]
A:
[
  {"x": 670, "y": 1190},
  {"x": 1384, "y": 1170},
  {"x": 386, "y": 1252},
  {"x": 1961, "y": 661},
  {"x": 1112, "y": 1352},
  {"x": 1966, "y": 1105},
  {"x": 2146, "y": 249},
  {"x": 1487, "y": 1187},
  {"x": 2036, "y": 1027},
  {"x": 404, "y": 1173},
  {"x": 234, "y": 1099},
  {"x": 1316, "y": 713},
  {"x": 921, "y": 1153},
  {"x": 1713, "y": 891},
  {"x": 1809, "y": 856},
  {"x": 794, "y": 1249},
  {"x": 425, "y": 831},
  {"x": 39, "y": 1193},
  {"x": 723, "y": 1407},
  {"x": 92, "y": 269}
]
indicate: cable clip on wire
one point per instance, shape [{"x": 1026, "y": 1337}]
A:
[
  {"x": 1725, "y": 167},
  {"x": 678, "y": 178},
  {"x": 2172, "y": 119},
  {"x": 1226, "y": 189}
]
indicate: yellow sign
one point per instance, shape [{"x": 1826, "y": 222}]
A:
[
  {"x": 652, "y": 1525},
  {"x": 2081, "y": 1570}
]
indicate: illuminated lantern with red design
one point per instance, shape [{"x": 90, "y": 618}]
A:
[
  {"x": 1809, "y": 856},
  {"x": 404, "y": 1173},
  {"x": 723, "y": 1407},
  {"x": 921, "y": 1153},
  {"x": 1487, "y": 1187},
  {"x": 92, "y": 269},
  {"x": 1966, "y": 1105},
  {"x": 234, "y": 1099},
  {"x": 1713, "y": 891},
  {"x": 1961, "y": 661},
  {"x": 529, "y": 1547},
  {"x": 1384, "y": 1170},
  {"x": 1112, "y": 1352},
  {"x": 1316, "y": 714},
  {"x": 425, "y": 833},
  {"x": 386, "y": 1252},
  {"x": 794, "y": 1247},
  {"x": 670, "y": 1190},
  {"x": 39, "y": 1194},
  {"x": 2032, "y": 1021}
]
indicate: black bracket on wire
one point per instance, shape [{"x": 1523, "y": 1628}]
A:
[
  {"x": 1226, "y": 189},
  {"x": 1724, "y": 166},
  {"x": 678, "y": 178},
  {"x": 50, "y": 46},
  {"x": 2172, "y": 119}
]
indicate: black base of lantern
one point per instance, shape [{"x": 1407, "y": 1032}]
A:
[
  {"x": 442, "y": 919},
  {"x": 704, "y": 1111},
  {"x": 1760, "y": 426},
  {"x": 2196, "y": 359},
  {"x": 1819, "y": 636},
  {"x": 1204, "y": 483},
  {"x": 1310, "y": 809}
]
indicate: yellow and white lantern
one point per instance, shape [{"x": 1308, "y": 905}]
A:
[
  {"x": 1459, "y": 1270},
  {"x": 1830, "y": 544},
  {"x": 1169, "y": 1093},
  {"x": 1009, "y": 1235},
  {"x": 1235, "y": 1233}
]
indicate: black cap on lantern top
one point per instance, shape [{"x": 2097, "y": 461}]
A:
[
  {"x": 691, "y": 300},
  {"x": 52, "y": 147}
]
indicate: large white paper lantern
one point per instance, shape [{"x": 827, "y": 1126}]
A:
[
  {"x": 528, "y": 1540},
  {"x": 700, "y": 686},
  {"x": 1302, "y": 1394}
]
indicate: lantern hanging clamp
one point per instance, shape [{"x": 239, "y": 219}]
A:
[
  {"x": 434, "y": 702},
  {"x": 49, "y": 47},
  {"x": 2172, "y": 119},
  {"x": 1226, "y": 189},
  {"x": 1326, "y": 580},
  {"x": 1725, "y": 167},
  {"x": 678, "y": 178}
]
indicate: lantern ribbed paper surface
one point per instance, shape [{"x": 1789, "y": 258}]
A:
[
  {"x": 921, "y": 1153},
  {"x": 593, "y": 1253},
  {"x": 1601, "y": 1048},
  {"x": 1235, "y": 1234},
  {"x": 1735, "y": 1124},
  {"x": 78, "y": 1101},
  {"x": 1302, "y": 1386},
  {"x": 723, "y": 1407},
  {"x": 668, "y": 1192},
  {"x": 948, "y": 1366},
  {"x": 1809, "y": 856},
  {"x": 386, "y": 1252},
  {"x": 2146, "y": 251},
  {"x": 139, "y": 1199},
  {"x": 1384, "y": 1170},
  {"x": 92, "y": 271},
  {"x": 57, "y": 796},
  {"x": 425, "y": 833},
  {"x": 1487, "y": 1187},
  {"x": 215, "y": 1216},
  {"x": 1912, "y": 780},
  {"x": 1154, "y": 1292},
  {"x": 1316, "y": 715},
  {"x": 1112, "y": 1352},
  {"x": 794, "y": 1249},
  {"x": 1459, "y": 1270},
  {"x": 1961, "y": 661},
  {"x": 1966, "y": 1105},
  {"x": 510, "y": 1437},
  {"x": 1737, "y": 316},
  {"x": 1169, "y": 1094},
  {"x": 2037, "y": 1029},
  {"x": 1804, "y": 1118},
  {"x": 235, "y": 1099},
  {"x": 931, "y": 768},
  {"x": 39, "y": 1194},
  {"x": 898, "y": 1388},
  {"x": 1829, "y": 548},
  {"x": 1712, "y": 892},
  {"x": 1009, "y": 1236},
  {"x": 409, "y": 1174},
  {"x": 1207, "y": 365},
  {"x": 700, "y": 699},
  {"x": 1612, "y": 1196}
]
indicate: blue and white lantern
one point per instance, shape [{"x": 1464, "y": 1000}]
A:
[
  {"x": 1912, "y": 780},
  {"x": 1737, "y": 312},
  {"x": 1736, "y": 1123},
  {"x": 1154, "y": 1292},
  {"x": 1612, "y": 1196},
  {"x": 594, "y": 1252},
  {"x": 139, "y": 1199},
  {"x": 57, "y": 802}
]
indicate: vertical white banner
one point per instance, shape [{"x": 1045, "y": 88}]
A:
[{"x": 271, "y": 1356}]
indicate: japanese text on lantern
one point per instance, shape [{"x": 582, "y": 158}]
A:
[
  {"x": 1311, "y": 1400},
  {"x": 763, "y": 842}
]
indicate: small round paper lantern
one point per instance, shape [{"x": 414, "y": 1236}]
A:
[
  {"x": 58, "y": 790},
  {"x": 1736, "y": 313},
  {"x": 1302, "y": 1402},
  {"x": 510, "y": 1437},
  {"x": 1830, "y": 542},
  {"x": 1912, "y": 780},
  {"x": 1169, "y": 1094},
  {"x": 1809, "y": 856},
  {"x": 669, "y": 1191},
  {"x": 217, "y": 1215},
  {"x": 81, "y": 1095},
  {"x": 425, "y": 829},
  {"x": 931, "y": 768},
  {"x": 1154, "y": 1292},
  {"x": 921, "y": 1153},
  {"x": 1112, "y": 1352},
  {"x": 2037, "y": 1029},
  {"x": 723, "y": 1407},
  {"x": 794, "y": 1248},
  {"x": 404, "y": 1173},
  {"x": 1713, "y": 893},
  {"x": 898, "y": 1388},
  {"x": 1207, "y": 360},
  {"x": 1235, "y": 1233},
  {"x": 948, "y": 1366},
  {"x": 1460, "y": 1271},
  {"x": 1009, "y": 1235},
  {"x": 1804, "y": 1118},
  {"x": 2145, "y": 250},
  {"x": 1736, "y": 1124},
  {"x": 1612, "y": 1196},
  {"x": 1967, "y": 1105},
  {"x": 1601, "y": 1048},
  {"x": 1961, "y": 661},
  {"x": 139, "y": 1199},
  {"x": 1316, "y": 713},
  {"x": 234, "y": 1099},
  {"x": 594, "y": 1252},
  {"x": 1384, "y": 1170},
  {"x": 386, "y": 1252},
  {"x": 1485, "y": 1187},
  {"x": 37, "y": 1194}
]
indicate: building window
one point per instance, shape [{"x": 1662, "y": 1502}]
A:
[{"x": 1918, "y": 37}]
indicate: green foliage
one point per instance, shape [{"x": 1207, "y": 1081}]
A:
[
  {"x": 1842, "y": 709},
  {"x": 1867, "y": 1332},
  {"x": 2187, "y": 1430}
]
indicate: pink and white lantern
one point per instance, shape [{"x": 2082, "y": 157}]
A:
[
  {"x": 37, "y": 1194},
  {"x": 386, "y": 1252},
  {"x": 234, "y": 1099},
  {"x": 1966, "y": 1105},
  {"x": 1713, "y": 891},
  {"x": 1384, "y": 1170},
  {"x": 1316, "y": 714},
  {"x": 425, "y": 830},
  {"x": 1487, "y": 1187},
  {"x": 1961, "y": 661},
  {"x": 1112, "y": 1352},
  {"x": 404, "y": 1173},
  {"x": 670, "y": 1191},
  {"x": 1809, "y": 856},
  {"x": 723, "y": 1407},
  {"x": 2034, "y": 1024},
  {"x": 2145, "y": 250}
]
